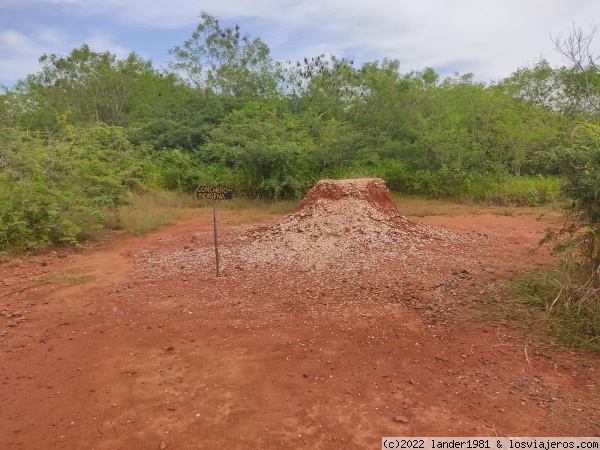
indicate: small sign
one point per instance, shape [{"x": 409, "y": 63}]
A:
[{"x": 214, "y": 193}]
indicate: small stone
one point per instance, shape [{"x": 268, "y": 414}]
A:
[
  {"x": 162, "y": 445},
  {"x": 401, "y": 419}
]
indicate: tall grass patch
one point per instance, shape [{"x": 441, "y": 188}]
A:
[
  {"x": 560, "y": 307},
  {"x": 145, "y": 212},
  {"x": 523, "y": 191}
]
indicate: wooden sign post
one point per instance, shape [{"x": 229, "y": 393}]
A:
[{"x": 214, "y": 193}]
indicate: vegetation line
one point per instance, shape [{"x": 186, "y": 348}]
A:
[{"x": 92, "y": 141}]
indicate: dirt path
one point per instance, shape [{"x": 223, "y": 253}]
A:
[{"x": 145, "y": 353}]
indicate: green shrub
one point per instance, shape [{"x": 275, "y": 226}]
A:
[{"x": 524, "y": 191}]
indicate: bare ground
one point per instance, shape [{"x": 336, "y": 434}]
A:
[{"x": 153, "y": 350}]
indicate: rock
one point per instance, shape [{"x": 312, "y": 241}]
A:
[
  {"x": 401, "y": 419},
  {"x": 162, "y": 445}
]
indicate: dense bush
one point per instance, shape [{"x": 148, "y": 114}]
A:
[{"x": 89, "y": 129}]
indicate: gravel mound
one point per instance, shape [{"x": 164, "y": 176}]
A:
[
  {"x": 350, "y": 223},
  {"x": 346, "y": 241},
  {"x": 343, "y": 226}
]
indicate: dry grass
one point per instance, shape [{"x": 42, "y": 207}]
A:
[
  {"x": 64, "y": 277},
  {"x": 242, "y": 211},
  {"x": 421, "y": 207},
  {"x": 146, "y": 212}
]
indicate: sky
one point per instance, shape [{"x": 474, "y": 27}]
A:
[{"x": 489, "y": 38}]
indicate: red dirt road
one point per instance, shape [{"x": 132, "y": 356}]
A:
[{"x": 147, "y": 355}]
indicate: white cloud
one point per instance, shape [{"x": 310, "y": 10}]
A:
[
  {"x": 20, "y": 53},
  {"x": 17, "y": 68},
  {"x": 103, "y": 43},
  {"x": 490, "y": 38},
  {"x": 12, "y": 41}
]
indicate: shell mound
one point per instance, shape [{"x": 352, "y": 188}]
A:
[
  {"x": 343, "y": 223},
  {"x": 370, "y": 191},
  {"x": 343, "y": 230}
]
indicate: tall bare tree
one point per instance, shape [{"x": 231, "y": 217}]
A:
[{"x": 583, "y": 79}]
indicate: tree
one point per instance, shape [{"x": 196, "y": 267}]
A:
[
  {"x": 225, "y": 61},
  {"x": 9, "y": 108},
  {"x": 94, "y": 87},
  {"x": 540, "y": 85},
  {"x": 581, "y": 161},
  {"x": 582, "y": 81},
  {"x": 326, "y": 86},
  {"x": 271, "y": 151}
]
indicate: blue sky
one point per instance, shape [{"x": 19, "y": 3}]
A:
[{"x": 490, "y": 38}]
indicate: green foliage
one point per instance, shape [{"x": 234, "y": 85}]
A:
[
  {"x": 93, "y": 87},
  {"x": 60, "y": 191},
  {"x": 226, "y": 62},
  {"x": 523, "y": 191},
  {"x": 268, "y": 150},
  {"x": 90, "y": 130},
  {"x": 581, "y": 169},
  {"x": 571, "y": 297},
  {"x": 184, "y": 120},
  {"x": 327, "y": 88}
]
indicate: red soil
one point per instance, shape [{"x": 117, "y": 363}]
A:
[{"x": 325, "y": 327}]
